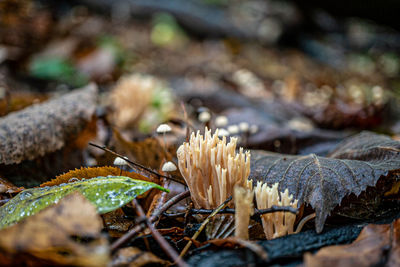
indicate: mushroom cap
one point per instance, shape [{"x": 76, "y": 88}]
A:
[
  {"x": 221, "y": 121},
  {"x": 163, "y": 128},
  {"x": 204, "y": 116},
  {"x": 222, "y": 132},
  {"x": 244, "y": 126},
  {"x": 233, "y": 129},
  {"x": 169, "y": 167},
  {"x": 120, "y": 161}
]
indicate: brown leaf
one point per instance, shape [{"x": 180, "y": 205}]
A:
[
  {"x": 148, "y": 152},
  {"x": 8, "y": 188},
  {"x": 19, "y": 100},
  {"x": 98, "y": 64},
  {"x": 44, "y": 128},
  {"x": 68, "y": 233},
  {"x": 323, "y": 182},
  {"x": 117, "y": 223},
  {"x": 175, "y": 233},
  {"x": 134, "y": 257},
  {"x": 92, "y": 172},
  {"x": 374, "y": 244}
]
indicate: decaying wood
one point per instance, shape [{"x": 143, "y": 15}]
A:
[{"x": 44, "y": 128}]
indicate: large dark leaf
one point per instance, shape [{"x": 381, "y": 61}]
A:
[{"x": 323, "y": 182}]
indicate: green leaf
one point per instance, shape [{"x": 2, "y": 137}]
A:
[
  {"x": 57, "y": 69},
  {"x": 106, "y": 193}
]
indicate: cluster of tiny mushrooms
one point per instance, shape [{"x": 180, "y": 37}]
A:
[{"x": 213, "y": 171}]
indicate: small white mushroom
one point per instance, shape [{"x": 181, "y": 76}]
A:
[
  {"x": 233, "y": 129},
  {"x": 222, "y": 132},
  {"x": 91, "y": 161},
  {"x": 168, "y": 167},
  {"x": 299, "y": 124},
  {"x": 253, "y": 129},
  {"x": 221, "y": 121},
  {"x": 118, "y": 161},
  {"x": 244, "y": 126},
  {"x": 163, "y": 128},
  {"x": 204, "y": 116}
]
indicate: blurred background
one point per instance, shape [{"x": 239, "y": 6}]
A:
[{"x": 328, "y": 64}]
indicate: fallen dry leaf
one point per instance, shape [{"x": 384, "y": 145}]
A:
[
  {"x": 377, "y": 245},
  {"x": 134, "y": 257},
  {"x": 360, "y": 161},
  {"x": 8, "y": 188},
  {"x": 117, "y": 223},
  {"x": 92, "y": 172},
  {"x": 44, "y": 128},
  {"x": 19, "y": 100},
  {"x": 64, "y": 234},
  {"x": 149, "y": 152}
]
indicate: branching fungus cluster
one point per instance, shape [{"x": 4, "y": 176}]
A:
[
  {"x": 278, "y": 223},
  {"x": 211, "y": 168}
]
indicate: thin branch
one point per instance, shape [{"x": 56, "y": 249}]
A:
[
  {"x": 186, "y": 248},
  {"x": 186, "y": 119},
  {"x": 303, "y": 222},
  {"x": 256, "y": 214},
  {"x": 173, "y": 178},
  {"x": 160, "y": 239},
  {"x": 140, "y": 227},
  {"x": 170, "y": 203}
]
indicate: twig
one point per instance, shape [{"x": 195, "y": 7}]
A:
[
  {"x": 140, "y": 227},
  {"x": 175, "y": 179},
  {"x": 186, "y": 119},
  {"x": 256, "y": 214},
  {"x": 186, "y": 248},
  {"x": 160, "y": 239},
  {"x": 303, "y": 222}
]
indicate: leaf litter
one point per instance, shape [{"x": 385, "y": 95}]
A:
[
  {"x": 273, "y": 99},
  {"x": 55, "y": 236}
]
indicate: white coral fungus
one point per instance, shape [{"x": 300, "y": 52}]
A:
[
  {"x": 278, "y": 223},
  {"x": 211, "y": 168},
  {"x": 243, "y": 210}
]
